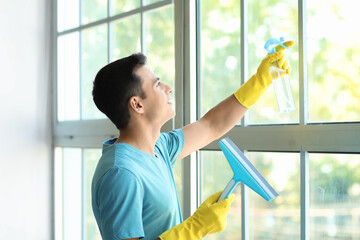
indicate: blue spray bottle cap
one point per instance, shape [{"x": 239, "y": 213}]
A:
[{"x": 272, "y": 43}]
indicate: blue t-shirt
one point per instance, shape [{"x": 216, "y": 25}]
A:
[{"x": 134, "y": 193}]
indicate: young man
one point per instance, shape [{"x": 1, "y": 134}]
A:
[{"x": 133, "y": 189}]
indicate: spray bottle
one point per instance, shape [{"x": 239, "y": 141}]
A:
[{"x": 283, "y": 93}]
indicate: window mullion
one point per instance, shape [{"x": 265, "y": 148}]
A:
[
  {"x": 303, "y": 105},
  {"x": 303, "y": 80},
  {"x": 142, "y": 34},
  {"x": 189, "y": 110},
  {"x": 245, "y": 228},
  {"x": 304, "y": 194},
  {"x": 179, "y": 63},
  {"x": 80, "y": 62},
  {"x": 245, "y": 208},
  {"x": 198, "y": 60},
  {"x": 83, "y": 197},
  {"x": 244, "y": 51},
  {"x": 108, "y": 33}
]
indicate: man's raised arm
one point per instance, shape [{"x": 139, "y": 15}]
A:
[{"x": 224, "y": 116}]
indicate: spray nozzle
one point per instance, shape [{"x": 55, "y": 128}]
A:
[{"x": 272, "y": 43}]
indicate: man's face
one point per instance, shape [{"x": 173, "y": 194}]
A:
[{"x": 158, "y": 105}]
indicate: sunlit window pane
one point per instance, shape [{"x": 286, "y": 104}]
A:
[
  {"x": 333, "y": 60},
  {"x": 120, "y": 6},
  {"x": 68, "y": 89},
  {"x": 267, "y": 19},
  {"x": 125, "y": 37},
  {"x": 215, "y": 175},
  {"x": 93, "y": 57},
  {"x": 91, "y": 158},
  {"x": 73, "y": 176},
  {"x": 67, "y": 14},
  {"x": 279, "y": 218},
  {"x": 334, "y": 196},
  {"x": 72, "y": 193},
  {"x": 220, "y": 51},
  {"x": 159, "y": 43},
  {"x": 93, "y": 10},
  {"x": 178, "y": 179}
]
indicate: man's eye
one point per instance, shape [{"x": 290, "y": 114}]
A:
[{"x": 158, "y": 83}]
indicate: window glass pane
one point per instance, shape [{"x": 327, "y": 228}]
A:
[
  {"x": 93, "y": 10},
  {"x": 125, "y": 37},
  {"x": 93, "y": 57},
  {"x": 67, "y": 14},
  {"x": 120, "y": 6},
  {"x": 268, "y": 19},
  {"x": 220, "y": 51},
  {"x": 159, "y": 43},
  {"x": 74, "y": 218},
  {"x": 178, "y": 179},
  {"x": 279, "y": 218},
  {"x": 334, "y": 196},
  {"x": 215, "y": 175},
  {"x": 333, "y": 60},
  {"x": 91, "y": 158},
  {"x": 68, "y": 89},
  {"x": 72, "y": 193}
]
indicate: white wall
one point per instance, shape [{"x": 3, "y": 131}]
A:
[{"x": 25, "y": 122}]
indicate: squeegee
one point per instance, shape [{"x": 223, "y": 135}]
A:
[{"x": 244, "y": 172}]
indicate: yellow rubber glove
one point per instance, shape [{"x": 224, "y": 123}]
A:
[
  {"x": 209, "y": 218},
  {"x": 251, "y": 91}
]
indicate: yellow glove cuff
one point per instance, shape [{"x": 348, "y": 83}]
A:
[
  {"x": 209, "y": 218},
  {"x": 250, "y": 92}
]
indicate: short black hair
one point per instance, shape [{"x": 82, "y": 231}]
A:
[{"x": 115, "y": 84}]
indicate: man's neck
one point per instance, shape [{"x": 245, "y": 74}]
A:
[{"x": 140, "y": 137}]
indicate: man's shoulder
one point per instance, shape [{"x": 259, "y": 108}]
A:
[
  {"x": 116, "y": 175},
  {"x": 112, "y": 160},
  {"x": 167, "y": 138}
]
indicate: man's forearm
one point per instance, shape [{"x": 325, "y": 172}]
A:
[
  {"x": 214, "y": 124},
  {"x": 224, "y": 116}
]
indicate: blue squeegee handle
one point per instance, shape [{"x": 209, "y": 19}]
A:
[{"x": 228, "y": 189}]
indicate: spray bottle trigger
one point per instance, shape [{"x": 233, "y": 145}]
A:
[{"x": 271, "y": 44}]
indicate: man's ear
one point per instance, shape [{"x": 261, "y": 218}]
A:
[{"x": 136, "y": 104}]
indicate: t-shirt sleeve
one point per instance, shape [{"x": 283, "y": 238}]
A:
[
  {"x": 120, "y": 196},
  {"x": 173, "y": 143}
]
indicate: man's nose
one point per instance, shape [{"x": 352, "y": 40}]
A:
[{"x": 169, "y": 89}]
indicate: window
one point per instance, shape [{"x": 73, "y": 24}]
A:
[
  {"x": 206, "y": 50},
  {"x": 289, "y": 149},
  {"x": 90, "y": 34}
]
